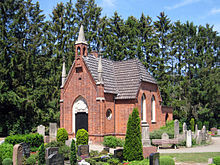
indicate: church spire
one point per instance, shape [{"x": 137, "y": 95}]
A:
[
  {"x": 63, "y": 72},
  {"x": 100, "y": 78},
  {"x": 81, "y": 38}
]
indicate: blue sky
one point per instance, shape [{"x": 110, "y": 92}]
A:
[{"x": 198, "y": 11}]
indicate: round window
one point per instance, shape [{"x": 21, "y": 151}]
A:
[{"x": 109, "y": 114}]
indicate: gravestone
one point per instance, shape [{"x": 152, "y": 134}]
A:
[
  {"x": 199, "y": 137},
  {"x": 53, "y": 131},
  {"x": 26, "y": 149},
  {"x": 165, "y": 136},
  {"x": 55, "y": 159},
  {"x": 51, "y": 150},
  {"x": 184, "y": 130},
  {"x": 17, "y": 154},
  {"x": 196, "y": 131},
  {"x": 83, "y": 150},
  {"x": 203, "y": 133},
  {"x": 176, "y": 128},
  {"x": 145, "y": 134},
  {"x": 218, "y": 132},
  {"x": 154, "y": 158},
  {"x": 118, "y": 153},
  {"x": 189, "y": 139},
  {"x": 41, "y": 130}
]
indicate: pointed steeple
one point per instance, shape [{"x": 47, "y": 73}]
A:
[
  {"x": 63, "y": 72},
  {"x": 100, "y": 78},
  {"x": 81, "y": 38}
]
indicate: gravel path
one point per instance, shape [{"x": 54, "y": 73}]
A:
[{"x": 214, "y": 147}]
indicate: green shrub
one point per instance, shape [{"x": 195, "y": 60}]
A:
[
  {"x": 113, "y": 161},
  {"x": 91, "y": 161},
  {"x": 142, "y": 162},
  {"x": 73, "y": 158},
  {"x": 31, "y": 160},
  {"x": 166, "y": 160},
  {"x": 192, "y": 124},
  {"x": 199, "y": 124},
  {"x": 65, "y": 151},
  {"x": 133, "y": 149},
  {"x": 54, "y": 144},
  {"x": 6, "y": 151},
  {"x": 93, "y": 153},
  {"x": 62, "y": 135},
  {"x": 216, "y": 160},
  {"x": 7, "y": 161},
  {"x": 82, "y": 137},
  {"x": 112, "y": 142},
  {"x": 41, "y": 155},
  {"x": 35, "y": 140},
  {"x": 206, "y": 123}
]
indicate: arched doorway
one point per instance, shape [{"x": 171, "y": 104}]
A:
[{"x": 80, "y": 115}]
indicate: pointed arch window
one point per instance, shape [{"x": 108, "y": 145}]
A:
[
  {"x": 153, "y": 109},
  {"x": 78, "y": 51},
  {"x": 143, "y": 108}
]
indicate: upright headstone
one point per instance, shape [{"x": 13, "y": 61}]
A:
[
  {"x": 17, "y": 154},
  {"x": 184, "y": 130},
  {"x": 26, "y": 150},
  {"x": 203, "y": 133},
  {"x": 164, "y": 136},
  {"x": 53, "y": 131},
  {"x": 145, "y": 134},
  {"x": 55, "y": 159},
  {"x": 176, "y": 128},
  {"x": 154, "y": 158},
  {"x": 196, "y": 131},
  {"x": 189, "y": 139},
  {"x": 51, "y": 150},
  {"x": 41, "y": 130},
  {"x": 83, "y": 150},
  {"x": 199, "y": 137}
]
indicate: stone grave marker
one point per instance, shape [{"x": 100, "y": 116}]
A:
[
  {"x": 218, "y": 132},
  {"x": 55, "y": 159},
  {"x": 118, "y": 153},
  {"x": 184, "y": 130},
  {"x": 145, "y": 134},
  {"x": 41, "y": 130},
  {"x": 154, "y": 158},
  {"x": 199, "y": 137},
  {"x": 83, "y": 150},
  {"x": 51, "y": 150},
  {"x": 203, "y": 133},
  {"x": 165, "y": 136},
  {"x": 17, "y": 154},
  {"x": 53, "y": 131},
  {"x": 176, "y": 128},
  {"x": 196, "y": 131},
  {"x": 26, "y": 149},
  {"x": 189, "y": 139}
]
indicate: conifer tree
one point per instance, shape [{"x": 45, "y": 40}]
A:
[{"x": 73, "y": 158}]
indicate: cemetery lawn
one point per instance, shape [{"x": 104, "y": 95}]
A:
[{"x": 192, "y": 157}]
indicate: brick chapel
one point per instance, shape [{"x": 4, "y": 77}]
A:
[{"x": 99, "y": 94}]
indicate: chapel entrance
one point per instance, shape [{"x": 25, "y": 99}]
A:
[
  {"x": 80, "y": 115},
  {"x": 81, "y": 121}
]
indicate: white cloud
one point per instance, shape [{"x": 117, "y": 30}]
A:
[
  {"x": 181, "y": 4},
  {"x": 108, "y": 3},
  {"x": 215, "y": 11}
]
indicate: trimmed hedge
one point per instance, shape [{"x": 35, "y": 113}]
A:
[
  {"x": 7, "y": 161},
  {"x": 113, "y": 142},
  {"x": 35, "y": 140},
  {"x": 62, "y": 135},
  {"x": 82, "y": 137},
  {"x": 6, "y": 151},
  {"x": 216, "y": 160},
  {"x": 166, "y": 160}
]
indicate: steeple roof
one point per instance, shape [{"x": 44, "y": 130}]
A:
[{"x": 81, "y": 38}]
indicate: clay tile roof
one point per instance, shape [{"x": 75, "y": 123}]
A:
[{"x": 120, "y": 77}]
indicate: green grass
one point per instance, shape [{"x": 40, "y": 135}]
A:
[
  {"x": 192, "y": 157},
  {"x": 145, "y": 162}
]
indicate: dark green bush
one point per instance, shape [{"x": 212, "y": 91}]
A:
[
  {"x": 73, "y": 158},
  {"x": 35, "y": 140},
  {"x": 31, "y": 160},
  {"x": 113, "y": 142},
  {"x": 6, "y": 151},
  {"x": 199, "y": 124},
  {"x": 133, "y": 149},
  {"x": 206, "y": 123},
  {"x": 65, "y": 151},
  {"x": 166, "y": 160},
  {"x": 82, "y": 137},
  {"x": 113, "y": 161},
  {"x": 41, "y": 155},
  {"x": 192, "y": 124},
  {"x": 216, "y": 160},
  {"x": 7, "y": 161},
  {"x": 62, "y": 135}
]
